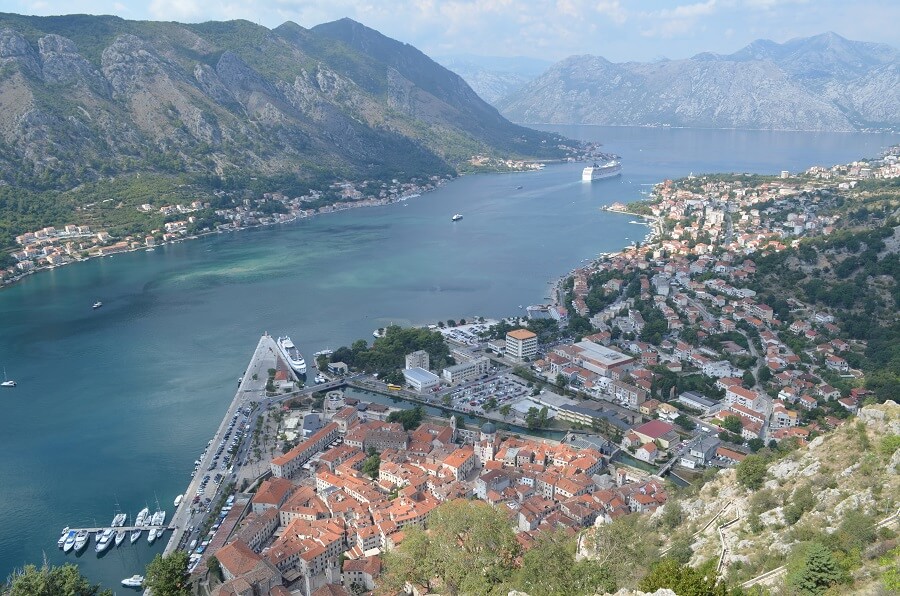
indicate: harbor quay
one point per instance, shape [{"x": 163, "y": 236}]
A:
[{"x": 251, "y": 393}]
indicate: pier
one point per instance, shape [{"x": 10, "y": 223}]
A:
[
  {"x": 164, "y": 528},
  {"x": 250, "y": 392}
]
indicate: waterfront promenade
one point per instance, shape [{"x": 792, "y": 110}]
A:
[{"x": 251, "y": 391}]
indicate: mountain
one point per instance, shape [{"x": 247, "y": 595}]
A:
[
  {"x": 493, "y": 77},
  {"x": 84, "y": 97},
  {"x": 824, "y": 82}
]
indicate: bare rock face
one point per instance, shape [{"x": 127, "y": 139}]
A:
[
  {"x": 15, "y": 49},
  {"x": 61, "y": 64},
  {"x": 129, "y": 62}
]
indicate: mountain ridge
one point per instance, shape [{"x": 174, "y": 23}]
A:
[
  {"x": 84, "y": 97},
  {"x": 825, "y": 82}
]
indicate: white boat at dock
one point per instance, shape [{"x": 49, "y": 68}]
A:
[
  {"x": 292, "y": 355},
  {"x": 158, "y": 519},
  {"x": 81, "y": 540},
  {"x": 178, "y": 500},
  {"x": 139, "y": 521},
  {"x": 69, "y": 544},
  {"x": 62, "y": 537},
  {"x": 105, "y": 540}
]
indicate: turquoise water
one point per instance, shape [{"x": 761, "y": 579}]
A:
[{"x": 114, "y": 405}]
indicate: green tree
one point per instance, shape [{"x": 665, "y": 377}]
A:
[
  {"x": 49, "y": 580},
  {"x": 752, "y": 471},
  {"x": 168, "y": 576},
  {"x": 410, "y": 419},
  {"x": 684, "y": 580},
  {"x": 550, "y": 569},
  {"x": 215, "y": 568},
  {"x": 748, "y": 380},
  {"x": 627, "y": 547},
  {"x": 371, "y": 466},
  {"x": 470, "y": 548},
  {"x": 505, "y": 409},
  {"x": 812, "y": 570},
  {"x": 561, "y": 380},
  {"x": 732, "y": 423},
  {"x": 672, "y": 515}
]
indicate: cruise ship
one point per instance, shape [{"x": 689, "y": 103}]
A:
[
  {"x": 292, "y": 354},
  {"x": 596, "y": 172}
]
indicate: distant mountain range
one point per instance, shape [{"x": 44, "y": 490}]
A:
[
  {"x": 494, "y": 77},
  {"x": 824, "y": 82},
  {"x": 85, "y": 97}
]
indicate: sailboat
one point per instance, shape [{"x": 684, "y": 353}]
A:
[
  {"x": 6, "y": 381},
  {"x": 139, "y": 522}
]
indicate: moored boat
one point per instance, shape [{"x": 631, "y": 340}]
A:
[
  {"x": 456, "y": 217},
  {"x": 81, "y": 540},
  {"x": 69, "y": 542},
  {"x": 292, "y": 355},
  {"x": 139, "y": 522},
  {"x": 105, "y": 540}
]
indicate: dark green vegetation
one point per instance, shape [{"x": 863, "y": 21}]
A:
[
  {"x": 485, "y": 542},
  {"x": 851, "y": 274},
  {"x": 223, "y": 106},
  {"x": 410, "y": 419},
  {"x": 168, "y": 576},
  {"x": 50, "y": 581},
  {"x": 387, "y": 354},
  {"x": 623, "y": 552}
]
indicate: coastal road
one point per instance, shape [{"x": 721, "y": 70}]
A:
[{"x": 251, "y": 390}]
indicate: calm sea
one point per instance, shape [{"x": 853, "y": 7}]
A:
[{"x": 114, "y": 405}]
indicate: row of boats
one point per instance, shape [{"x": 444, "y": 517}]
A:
[{"x": 77, "y": 540}]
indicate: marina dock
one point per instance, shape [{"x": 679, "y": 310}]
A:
[{"x": 164, "y": 528}]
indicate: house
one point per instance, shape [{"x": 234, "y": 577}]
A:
[
  {"x": 657, "y": 430},
  {"x": 647, "y": 452},
  {"x": 696, "y": 401},
  {"x": 361, "y": 572}
]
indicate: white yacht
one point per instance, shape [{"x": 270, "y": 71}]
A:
[
  {"x": 81, "y": 540},
  {"x": 456, "y": 217},
  {"x": 63, "y": 536},
  {"x": 139, "y": 521},
  {"x": 105, "y": 540},
  {"x": 135, "y": 581},
  {"x": 292, "y": 354},
  {"x": 69, "y": 544},
  {"x": 598, "y": 172},
  {"x": 119, "y": 520},
  {"x": 97, "y": 305},
  {"x": 120, "y": 537},
  {"x": 178, "y": 500},
  {"x": 158, "y": 519}
]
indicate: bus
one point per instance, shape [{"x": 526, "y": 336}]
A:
[{"x": 393, "y": 387}]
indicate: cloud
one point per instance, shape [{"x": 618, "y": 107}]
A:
[
  {"x": 681, "y": 20},
  {"x": 176, "y": 10}
]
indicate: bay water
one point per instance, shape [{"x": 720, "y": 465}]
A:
[{"x": 114, "y": 404}]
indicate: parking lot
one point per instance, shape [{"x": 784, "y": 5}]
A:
[{"x": 474, "y": 396}]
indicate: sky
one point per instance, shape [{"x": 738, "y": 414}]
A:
[{"x": 619, "y": 30}]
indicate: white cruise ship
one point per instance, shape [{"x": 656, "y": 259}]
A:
[
  {"x": 596, "y": 172},
  {"x": 292, "y": 354}
]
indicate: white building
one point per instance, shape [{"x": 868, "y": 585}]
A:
[
  {"x": 418, "y": 359},
  {"x": 466, "y": 371},
  {"x": 421, "y": 379},
  {"x": 521, "y": 345}
]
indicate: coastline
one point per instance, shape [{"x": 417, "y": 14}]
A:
[{"x": 344, "y": 207}]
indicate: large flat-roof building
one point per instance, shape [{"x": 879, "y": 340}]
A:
[
  {"x": 521, "y": 345},
  {"x": 466, "y": 371},
  {"x": 421, "y": 379},
  {"x": 599, "y": 359}
]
